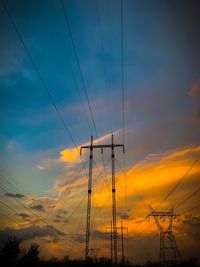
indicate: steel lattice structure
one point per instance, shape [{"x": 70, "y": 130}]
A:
[
  {"x": 169, "y": 251},
  {"x": 91, "y": 147}
]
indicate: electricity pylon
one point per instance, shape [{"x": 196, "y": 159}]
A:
[
  {"x": 121, "y": 228},
  {"x": 169, "y": 251},
  {"x": 94, "y": 253},
  {"x": 114, "y": 219},
  {"x": 89, "y": 200},
  {"x": 122, "y": 238}
]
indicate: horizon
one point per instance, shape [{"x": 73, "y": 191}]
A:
[{"x": 70, "y": 70}]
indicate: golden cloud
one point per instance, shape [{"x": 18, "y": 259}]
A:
[{"x": 72, "y": 155}]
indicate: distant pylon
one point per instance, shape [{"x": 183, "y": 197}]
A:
[
  {"x": 94, "y": 253},
  {"x": 121, "y": 228},
  {"x": 169, "y": 251}
]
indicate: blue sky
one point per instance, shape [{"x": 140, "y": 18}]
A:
[{"x": 161, "y": 67}]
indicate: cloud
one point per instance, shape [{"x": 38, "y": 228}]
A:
[
  {"x": 101, "y": 235},
  {"x": 124, "y": 216},
  {"x": 72, "y": 155},
  {"x": 60, "y": 219},
  {"x": 41, "y": 202},
  {"x": 195, "y": 94},
  {"x": 162, "y": 170},
  {"x": 49, "y": 164},
  {"x": 81, "y": 183},
  {"x": 79, "y": 239},
  {"x": 148, "y": 182},
  {"x": 30, "y": 233},
  {"x": 24, "y": 216},
  {"x": 61, "y": 211},
  {"x": 152, "y": 177},
  {"x": 14, "y": 195},
  {"x": 191, "y": 224},
  {"x": 38, "y": 207}
]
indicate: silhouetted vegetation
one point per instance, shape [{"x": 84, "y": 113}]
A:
[
  {"x": 10, "y": 252},
  {"x": 10, "y": 257},
  {"x": 32, "y": 256}
]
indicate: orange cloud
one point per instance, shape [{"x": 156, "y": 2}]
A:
[
  {"x": 77, "y": 184},
  {"x": 151, "y": 178},
  {"x": 148, "y": 182},
  {"x": 72, "y": 155}
]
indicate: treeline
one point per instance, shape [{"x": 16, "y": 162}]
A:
[{"x": 12, "y": 256}]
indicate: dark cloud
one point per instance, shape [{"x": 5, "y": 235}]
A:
[
  {"x": 125, "y": 216},
  {"x": 29, "y": 233},
  {"x": 14, "y": 195},
  {"x": 24, "y": 216},
  {"x": 192, "y": 225},
  {"x": 101, "y": 235},
  {"x": 195, "y": 94},
  {"x": 60, "y": 218},
  {"x": 79, "y": 239},
  {"x": 38, "y": 207}
]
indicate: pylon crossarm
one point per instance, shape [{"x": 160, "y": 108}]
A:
[
  {"x": 168, "y": 248},
  {"x": 159, "y": 226},
  {"x": 103, "y": 146},
  {"x": 91, "y": 147}
]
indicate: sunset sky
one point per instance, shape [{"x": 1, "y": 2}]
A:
[{"x": 43, "y": 185}]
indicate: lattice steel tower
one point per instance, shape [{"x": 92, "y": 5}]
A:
[
  {"x": 169, "y": 251},
  {"x": 91, "y": 147},
  {"x": 89, "y": 199}
]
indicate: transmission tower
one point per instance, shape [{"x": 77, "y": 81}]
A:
[
  {"x": 94, "y": 253},
  {"x": 169, "y": 251},
  {"x": 89, "y": 199},
  {"x": 121, "y": 228},
  {"x": 114, "y": 219}
]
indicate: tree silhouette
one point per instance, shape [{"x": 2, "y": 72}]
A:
[
  {"x": 32, "y": 256},
  {"x": 10, "y": 251}
]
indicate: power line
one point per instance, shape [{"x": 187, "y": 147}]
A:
[
  {"x": 187, "y": 198},
  {"x": 13, "y": 220},
  {"x": 83, "y": 199},
  {"x": 174, "y": 188},
  {"x": 27, "y": 208},
  {"x": 179, "y": 182},
  {"x": 137, "y": 193},
  {"x": 194, "y": 207},
  {"x": 122, "y": 68},
  {"x": 38, "y": 73},
  {"x": 176, "y": 185},
  {"x": 123, "y": 111},
  {"x": 40, "y": 78},
  {"x": 104, "y": 66},
  {"x": 81, "y": 74},
  {"x": 64, "y": 201},
  {"x": 6, "y": 205},
  {"x": 79, "y": 66},
  {"x": 8, "y": 217},
  {"x": 172, "y": 191},
  {"x": 43, "y": 84}
]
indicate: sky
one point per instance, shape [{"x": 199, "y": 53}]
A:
[{"x": 43, "y": 191}]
